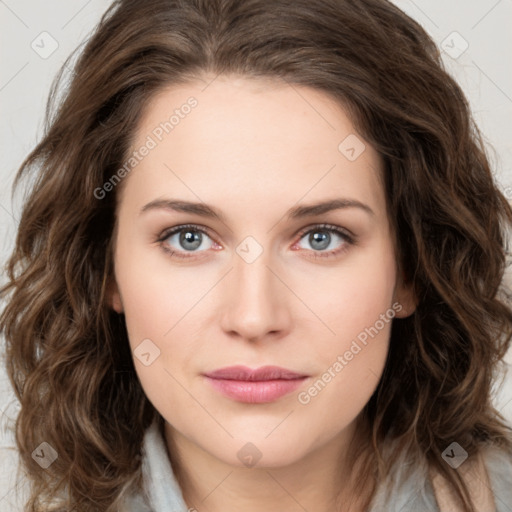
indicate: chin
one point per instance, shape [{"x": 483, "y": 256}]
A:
[{"x": 261, "y": 453}]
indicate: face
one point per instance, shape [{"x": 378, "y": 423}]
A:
[{"x": 252, "y": 276}]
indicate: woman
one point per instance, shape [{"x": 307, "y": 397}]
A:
[{"x": 329, "y": 340}]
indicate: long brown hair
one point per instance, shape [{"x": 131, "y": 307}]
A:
[{"x": 68, "y": 355}]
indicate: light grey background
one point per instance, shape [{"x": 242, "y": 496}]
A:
[{"x": 474, "y": 35}]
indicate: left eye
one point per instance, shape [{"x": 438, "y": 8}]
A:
[{"x": 321, "y": 237}]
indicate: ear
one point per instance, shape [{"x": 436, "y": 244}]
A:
[
  {"x": 113, "y": 296},
  {"x": 405, "y": 296}
]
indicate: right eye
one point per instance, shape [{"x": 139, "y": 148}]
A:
[{"x": 185, "y": 238}]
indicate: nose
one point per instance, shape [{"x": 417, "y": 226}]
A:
[{"x": 256, "y": 301}]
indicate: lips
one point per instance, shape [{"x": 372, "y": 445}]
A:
[
  {"x": 259, "y": 374},
  {"x": 261, "y": 385}
]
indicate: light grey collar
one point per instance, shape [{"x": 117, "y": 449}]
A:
[
  {"x": 410, "y": 491},
  {"x": 162, "y": 491}
]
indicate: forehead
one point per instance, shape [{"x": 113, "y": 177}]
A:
[{"x": 272, "y": 140}]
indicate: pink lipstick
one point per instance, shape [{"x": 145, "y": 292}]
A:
[{"x": 262, "y": 385}]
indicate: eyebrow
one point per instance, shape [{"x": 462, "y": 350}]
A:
[{"x": 297, "y": 212}]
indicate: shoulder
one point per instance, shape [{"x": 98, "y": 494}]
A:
[
  {"x": 488, "y": 476},
  {"x": 498, "y": 464},
  {"x": 414, "y": 485}
]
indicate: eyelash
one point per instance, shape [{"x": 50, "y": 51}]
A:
[{"x": 349, "y": 240}]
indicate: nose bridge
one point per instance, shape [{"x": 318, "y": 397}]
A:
[{"x": 256, "y": 305}]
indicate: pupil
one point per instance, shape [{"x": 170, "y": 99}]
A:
[
  {"x": 320, "y": 241},
  {"x": 190, "y": 237}
]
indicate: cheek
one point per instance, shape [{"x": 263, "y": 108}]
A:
[
  {"x": 353, "y": 299},
  {"x": 155, "y": 302},
  {"x": 146, "y": 308},
  {"x": 155, "y": 297},
  {"x": 358, "y": 309}
]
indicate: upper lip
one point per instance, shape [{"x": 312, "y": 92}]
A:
[{"x": 258, "y": 374}]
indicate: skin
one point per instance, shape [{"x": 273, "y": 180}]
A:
[{"x": 253, "y": 149}]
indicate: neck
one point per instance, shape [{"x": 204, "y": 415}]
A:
[{"x": 322, "y": 481}]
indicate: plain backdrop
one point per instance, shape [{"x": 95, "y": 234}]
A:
[{"x": 36, "y": 37}]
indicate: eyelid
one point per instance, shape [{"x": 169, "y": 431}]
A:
[
  {"x": 166, "y": 233},
  {"x": 328, "y": 227}
]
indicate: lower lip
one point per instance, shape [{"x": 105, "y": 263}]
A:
[{"x": 255, "y": 392}]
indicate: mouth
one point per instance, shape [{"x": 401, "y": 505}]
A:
[{"x": 261, "y": 385}]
